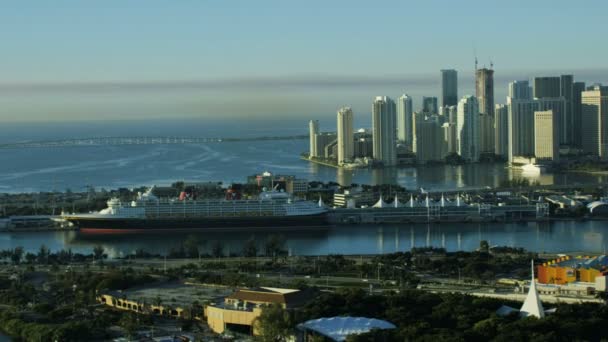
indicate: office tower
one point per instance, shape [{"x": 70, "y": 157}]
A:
[
  {"x": 449, "y": 138},
  {"x": 567, "y": 120},
  {"x": 313, "y": 128},
  {"x": 429, "y": 105},
  {"x": 429, "y": 135},
  {"x": 521, "y": 127},
  {"x": 546, "y": 136},
  {"x": 594, "y": 123},
  {"x": 547, "y": 87},
  {"x": 501, "y": 130},
  {"x": 559, "y": 107},
  {"x": 449, "y": 87},
  {"x": 577, "y": 109},
  {"x": 322, "y": 141},
  {"x": 484, "y": 85},
  {"x": 520, "y": 90},
  {"x": 405, "y": 112},
  {"x": 345, "y": 135},
  {"x": 452, "y": 114},
  {"x": 384, "y": 130},
  {"x": 467, "y": 128}
]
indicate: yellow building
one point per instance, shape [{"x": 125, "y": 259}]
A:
[
  {"x": 116, "y": 301},
  {"x": 239, "y": 310}
]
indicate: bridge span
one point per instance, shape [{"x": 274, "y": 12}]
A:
[{"x": 168, "y": 140}]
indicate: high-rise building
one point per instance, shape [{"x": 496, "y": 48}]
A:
[
  {"x": 430, "y": 141},
  {"x": 322, "y": 140},
  {"x": 577, "y": 109},
  {"x": 546, "y": 136},
  {"x": 467, "y": 128},
  {"x": 345, "y": 135},
  {"x": 450, "y": 140},
  {"x": 429, "y": 105},
  {"x": 384, "y": 130},
  {"x": 567, "y": 119},
  {"x": 501, "y": 130},
  {"x": 452, "y": 114},
  {"x": 484, "y": 85},
  {"x": 520, "y": 90},
  {"x": 558, "y": 106},
  {"x": 313, "y": 128},
  {"x": 547, "y": 87},
  {"x": 521, "y": 127},
  {"x": 594, "y": 123},
  {"x": 449, "y": 87},
  {"x": 405, "y": 114}
]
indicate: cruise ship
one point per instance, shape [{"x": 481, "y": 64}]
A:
[{"x": 272, "y": 210}]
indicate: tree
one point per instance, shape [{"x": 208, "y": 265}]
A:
[
  {"x": 98, "y": 252},
  {"x": 275, "y": 245},
  {"x": 129, "y": 323},
  {"x": 484, "y": 246},
  {"x": 217, "y": 250},
  {"x": 274, "y": 323},
  {"x": 250, "y": 249},
  {"x": 17, "y": 255},
  {"x": 43, "y": 254},
  {"x": 191, "y": 246}
]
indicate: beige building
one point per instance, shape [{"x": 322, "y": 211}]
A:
[
  {"x": 345, "y": 135},
  {"x": 546, "y": 136},
  {"x": 430, "y": 144},
  {"x": 594, "y": 121},
  {"x": 240, "y": 310}
]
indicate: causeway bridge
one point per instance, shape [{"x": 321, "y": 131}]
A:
[{"x": 142, "y": 140}]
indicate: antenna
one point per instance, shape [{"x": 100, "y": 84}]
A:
[
  {"x": 475, "y": 55},
  {"x": 491, "y": 64}
]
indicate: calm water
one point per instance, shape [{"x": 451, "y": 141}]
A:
[
  {"x": 76, "y": 168},
  {"x": 591, "y": 237}
]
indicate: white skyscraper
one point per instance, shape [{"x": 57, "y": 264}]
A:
[
  {"x": 467, "y": 128},
  {"x": 345, "y": 135},
  {"x": 313, "y": 127},
  {"x": 404, "y": 120},
  {"x": 384, "y": 130}
]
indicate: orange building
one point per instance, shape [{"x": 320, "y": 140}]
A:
[{"x": 566, "y": 270}]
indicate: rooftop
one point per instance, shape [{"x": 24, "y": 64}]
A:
[{"x": 338, "y": 328}]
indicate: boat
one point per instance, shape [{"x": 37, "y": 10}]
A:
[
  {"x": 533, "y": 169},
  {"x": 271, "y": 210}
]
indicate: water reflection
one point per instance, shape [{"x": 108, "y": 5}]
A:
[{"x": 564, "y": 236}]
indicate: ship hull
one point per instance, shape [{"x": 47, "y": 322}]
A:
[{"x": 127, "y": 225}]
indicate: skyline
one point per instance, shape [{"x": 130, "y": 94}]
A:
[{"x": 120, "y": 60}]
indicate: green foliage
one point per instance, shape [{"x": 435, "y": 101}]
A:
[
  {"x": 274, "y": 324},
  {"x": 250, "y": 249}
]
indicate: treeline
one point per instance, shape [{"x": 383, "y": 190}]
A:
[{"x": 422, "y": 316}]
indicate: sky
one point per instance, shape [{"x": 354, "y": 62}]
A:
[{"x": 123, "y": 59}]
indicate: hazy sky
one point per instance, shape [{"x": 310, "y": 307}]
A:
[{"x": 64, "y": 60}]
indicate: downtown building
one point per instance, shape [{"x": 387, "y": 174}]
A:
[
  {"x": 405, "y": 121},
  {"x": 384, "y": 127},
  {"x": 468, "y": 129},
  {"x": 345, "y": 135},
  {"x": 449, "y": 87},
  {"x": 594, "y": 121},
  {"x": 313, "y": 130},
  {"x": 484, "y": 86},
  {"x": 501, "y": 130},
  {"x": 546, "y": 136},
  {"x": 430, "y": 140}
]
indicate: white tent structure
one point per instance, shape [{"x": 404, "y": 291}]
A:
[
  {"x": 396, "y": 202},
  {"x": 380, "y": 203},
  {"x": 411, "y": 203},
  {"x": 532, "y": 305},
  {"x": 339, "y": 328}
]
